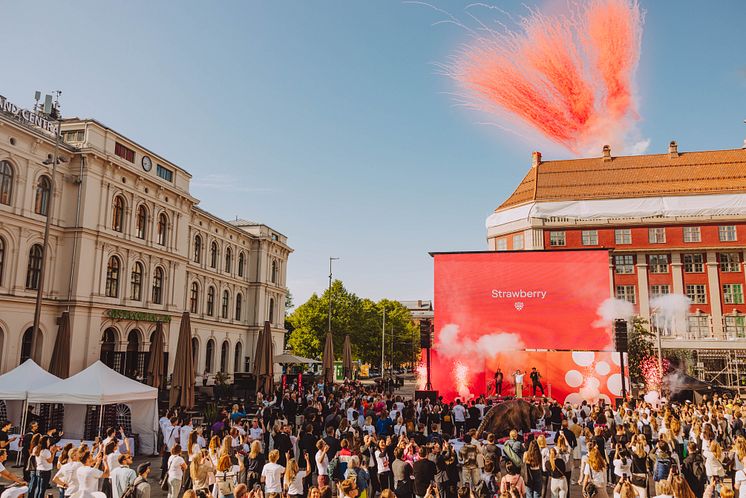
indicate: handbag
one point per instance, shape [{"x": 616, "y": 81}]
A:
[
  {"x": 638, "y": 480},
  {"x": 225, "y": 486},
  {"x": 589, "y": 490}
]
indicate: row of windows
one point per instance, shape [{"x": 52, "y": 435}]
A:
[
  {"x": 238, "y": 360},
  {"x": 42, "y": 190},
  {"x": 656, "y": 235},
  {"x": 228, "y": 259},
  {"x": 141, "y": 221},
  {"x": 697, "y": 293},
  {"x": 113, "y": 277},
  {"x": 728, "y": 262}
]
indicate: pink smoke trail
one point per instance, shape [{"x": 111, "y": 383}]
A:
[{"x": 567, "y": 76}]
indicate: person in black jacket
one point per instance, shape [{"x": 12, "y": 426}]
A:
[
  {"x": 424, "y": 473},
  {"x": 693, "y": 470}
]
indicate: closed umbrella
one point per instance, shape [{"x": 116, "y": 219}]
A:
[
  {"x": 347, "y": 358},
  {"x": 328, "y": 359},
  {"x": 155, "y": 361},
  {"x": 60, "y": 364},
  {"x": 264, "y": 360},
  {"x": 182, "y": 382}
]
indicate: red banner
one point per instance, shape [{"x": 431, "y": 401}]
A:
[{"x": 489, "y": 304}]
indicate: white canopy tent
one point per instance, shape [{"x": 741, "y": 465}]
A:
[
  {"x": 16, "y": 384},
  {"x": 100, "y": 385}
]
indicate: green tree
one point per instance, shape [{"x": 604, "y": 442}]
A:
[
  {"x": 360, "y": 318},
  {"x": 641, "y": 346}
]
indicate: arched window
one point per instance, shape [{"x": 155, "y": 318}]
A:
[
  {"x": 240, "y": 264},
  {"x": 132, "y": 367},
  {"x": 211, "y": 301},
  {"x": 33, "y": 273},
  {"x": 224, "y": 308},
  {"x": 158, "y": 285},
  {"x": 197, "y": 248},
  {"x": 26, "y": 345},
  {"x": 41, "y": 201},
  {"x": 195, "y": 352},
  {"x": 162, "y": 229},
  {"x": 237, "y": 357},
  {"x": 141, "y": 222},
  {"x": 136, "y": 282},
  {"x": 213, "y": 255},
  {"x": 224, "y": 356},
  {"x": 108, "y": 345},
  {"x": 228, "y": 259},
  {"x": 117, "y": 214},
  {"x": 6, "y": 182},
  {"x": 112, "y": 277},
  {"x": 274, "y": 272},
  {"x": 194, "y": 298},
  {"x": 239, "y": 299},
  {"x": 2, "y": 258},
  {"x": 271, "y": 311},
  {"x": 209, "y": 354}
]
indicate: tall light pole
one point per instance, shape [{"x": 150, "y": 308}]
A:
[
  {"x": 383, "y": 340},
  {"x": 52, "y": 112},
  {"x": 330, "y": 293}
]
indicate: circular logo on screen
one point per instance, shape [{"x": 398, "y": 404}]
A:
[{"x": 518, "y": 305}]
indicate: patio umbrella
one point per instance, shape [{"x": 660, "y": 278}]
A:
[
  {"x": 60, "y": 364},
  {"x": 328, "y": 359},
  {"x": 155, "y": 361},
  {"x": 347, "y": 358},
  {"x": 264, "y": 360},
  {"x": 182, "y": 382}
]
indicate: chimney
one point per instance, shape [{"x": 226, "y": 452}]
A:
[
  {"x": 535, "y": 158},
  {"x": 744, "y": 144},
  {"x": 673, "y": 149},
  {"x": 607, "y": 153}
]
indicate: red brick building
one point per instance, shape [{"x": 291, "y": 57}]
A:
[{"x": 675, "y": 223}]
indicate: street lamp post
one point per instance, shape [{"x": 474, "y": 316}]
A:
[
  {"x": 45, "y": 243},
  {"x": 383, "y": 339},
  {"x": 330, "y": 293}
]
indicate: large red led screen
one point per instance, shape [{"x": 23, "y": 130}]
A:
[{"x": 490, "y": 303}]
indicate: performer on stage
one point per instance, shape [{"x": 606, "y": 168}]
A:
[
  {"x": 499, "y": 382},
  {"x": 535, "y": 383},
  {"x": 518, "y": 383}
]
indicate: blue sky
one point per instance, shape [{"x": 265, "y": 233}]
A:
[{"x": 328, "y": 120}]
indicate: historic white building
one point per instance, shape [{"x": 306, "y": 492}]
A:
[{"x": 128, "y": 248}]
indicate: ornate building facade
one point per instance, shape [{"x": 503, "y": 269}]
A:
[
  {"x": 674, "y": 223},
  {"x": 129, "y": 249}
]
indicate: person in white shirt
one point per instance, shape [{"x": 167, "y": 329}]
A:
[
  {"x": 518, "y": 383},
  {"x": 184, "y": 432},
  {"x": 89, "y": 473},
  {"x": 459, "y": 416},
  {"x": 322, "y": 463},
  {"x": 6, "y": 474},
  {"x": 739, "y": 481},
  {"x": 176, "y": 467},
  {"x": 66, "y": 477},
  {"x": 294, "y": 477},
  {"x": 170, "y": 438},
  {"x": 122, "y": 476},
  {"x": 44, "y": 454},
  {"x": 272, "y": 476}
]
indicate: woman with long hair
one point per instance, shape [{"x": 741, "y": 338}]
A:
[
  {"x": 680, "y": 488},
  {"x": 594, "y": 473},
  {"x": 200, "y": 470},
  {"x": 294, "y": 477},
  {"x": 557, "y": 479},
  {"x": 532, "y": 460},
  {"x": 175, "y": 470},
  {"x": 625, "y": 489},
  {"x": 44, "y": 453},
  {"x": 565, "y": 453},
  {"x": 714, "y": 461},
  {"x": 254, "y": 464},
  {"x": 225, "y": 478},
  {"x": 30, "y": 468}
]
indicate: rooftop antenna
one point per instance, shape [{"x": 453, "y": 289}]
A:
[{"x": 37, "y": 97}]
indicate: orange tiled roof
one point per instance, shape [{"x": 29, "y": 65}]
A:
[{"x": 689, "y": 173}]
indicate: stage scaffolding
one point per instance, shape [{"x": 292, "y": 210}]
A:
[{"x": 724, "y": 367}]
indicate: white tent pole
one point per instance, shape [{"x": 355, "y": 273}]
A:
[
  {"x": 100, "y": 418},
  {"x": 23, "y": 429}
]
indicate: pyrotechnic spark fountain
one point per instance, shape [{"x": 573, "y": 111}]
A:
[
  {"x": 461, "y": 375},
  {"x": 421, "y": 376},
  {"x": 567, "y": 76},
  {"x": 651, "y": 373}
]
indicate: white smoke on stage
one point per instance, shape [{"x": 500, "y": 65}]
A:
[{"x": 451, "y": 345}]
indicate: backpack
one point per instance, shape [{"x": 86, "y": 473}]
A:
[
  {"x": 698, "y": 469},
  {"x": 130, "y": 491},
  {"x": 662, "y": 469},
  {"x": 335, "y": 469}
]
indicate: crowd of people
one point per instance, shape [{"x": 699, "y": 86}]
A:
[{"x": 355, "y": 441}]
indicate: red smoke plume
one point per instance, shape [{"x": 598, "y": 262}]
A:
[{"x": 568, "y": 76}]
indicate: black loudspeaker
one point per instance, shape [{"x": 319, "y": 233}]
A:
[
  {"x": 426, "y": 338},
  {"x": 431, "y": 395},
  {"x": 621, "y": 342},
  {"x": 244, "y": 381}
]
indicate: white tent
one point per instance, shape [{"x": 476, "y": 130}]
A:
[
  {"x": 15, "y": 385},
  {"x": 100, "y": 385}
]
